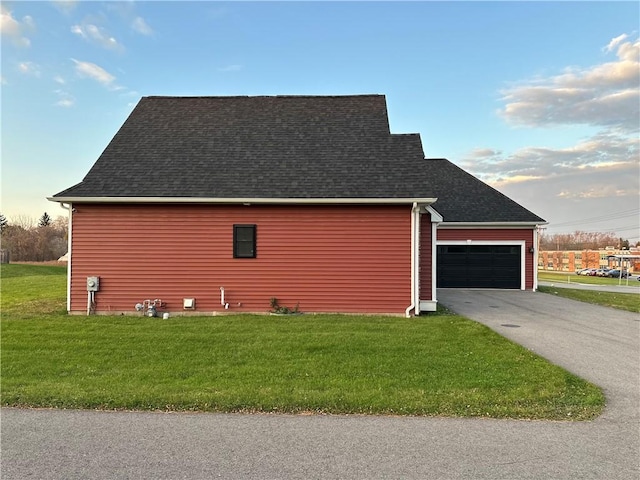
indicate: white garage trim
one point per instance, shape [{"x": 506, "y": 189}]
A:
[{"x": 521, "y": 243}]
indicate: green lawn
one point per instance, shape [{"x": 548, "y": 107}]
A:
[
  {"x": 622, "y": 301},
  {"x": 570, "y": 277},
  {"x": 439, "y": 364}
]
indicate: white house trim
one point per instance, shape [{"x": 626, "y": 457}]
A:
[{"x": 521, "y": 243}]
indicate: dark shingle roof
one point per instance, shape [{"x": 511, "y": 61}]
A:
[{"x": 281, "y": 147}]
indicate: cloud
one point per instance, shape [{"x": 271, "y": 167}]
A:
[
  {"x": 97, "y": 73},
  {"x": 65, "y": 99},
  {"x": 139, "y": 25},
  {"x": 126, "y": 11},
  {"x": 602, "y": 167},
  {"x": 29, "y": 68},
  {"x": 97, "y": 35},
  {"x": 59, "y": 79},
  {"x": 606, "y": 95},
  {"x": 14, "y": 30},
  {"x": 65, "y": 6},
  {"x": 601, "y": 152}
]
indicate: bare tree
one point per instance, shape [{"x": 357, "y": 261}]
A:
[
  {"x": 26, "y": 242},
  {"x": 579, "y": 240}
]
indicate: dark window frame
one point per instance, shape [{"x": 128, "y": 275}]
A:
[{"x": 244, "y": 247}]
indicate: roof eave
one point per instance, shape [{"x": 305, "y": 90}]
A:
[
  {"x": 505, "y": 224},
  {"x": 246, "y": 201}
]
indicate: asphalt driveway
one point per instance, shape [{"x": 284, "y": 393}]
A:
[{"x": 600, "y": 344}]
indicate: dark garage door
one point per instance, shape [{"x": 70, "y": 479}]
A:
[{"x": 478, "y": 266}]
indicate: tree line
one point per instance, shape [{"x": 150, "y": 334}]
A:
[
  {"x": 28, "y": 240},
  {"x": 579, "y": 240}
]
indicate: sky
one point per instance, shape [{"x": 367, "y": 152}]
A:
[{"x": 541, "y": 100}]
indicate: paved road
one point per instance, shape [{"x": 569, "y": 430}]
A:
[{"x": 600, "y": 344}]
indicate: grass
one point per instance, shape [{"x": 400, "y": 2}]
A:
[
  {"x": 570, "y": 277},
  {"x": 441, "y": 364},
  {"x": 621, "y": 301}
]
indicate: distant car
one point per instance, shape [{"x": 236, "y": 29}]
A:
[
  {"x": 617, "y": 274},
  {"x": 579, "y": 272},
  {"x": 588, "y": 272},
  {"x": 602, "y": 272}
]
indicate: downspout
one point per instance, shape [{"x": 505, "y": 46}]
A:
[
  {"x": 536, "y": 240},
  {"x": 70, "y": 210},
  {"x": 415, "y": 226}
]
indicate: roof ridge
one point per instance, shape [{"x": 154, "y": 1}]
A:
[{"x": 355, "y": 95}]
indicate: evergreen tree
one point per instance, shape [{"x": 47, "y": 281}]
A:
[
  {"x": 3, "y": 223},
  {"x": 45, "y": 220}
]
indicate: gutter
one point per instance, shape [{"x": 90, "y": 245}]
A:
[
  {"x": 505, "y": 224},
  {"x": 247, "y": 201}
]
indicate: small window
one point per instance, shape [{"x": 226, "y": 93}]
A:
[{"x": 244, "y": 241}]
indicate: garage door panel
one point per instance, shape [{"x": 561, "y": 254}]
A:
[{"x": 479, "y": 266}]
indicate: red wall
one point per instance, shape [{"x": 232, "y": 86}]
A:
[
  {"x": 327, "y": 258},
  {"x": 520, "y": 234}
]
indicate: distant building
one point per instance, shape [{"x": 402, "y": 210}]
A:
[{"x": 571, "y": 261}]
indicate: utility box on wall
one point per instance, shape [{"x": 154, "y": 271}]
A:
[
  {"x": 93, "y": 284},
  {"x": 189, "y": 303}
]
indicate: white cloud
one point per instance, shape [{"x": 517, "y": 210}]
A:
[
  {"x": 59, "y": 79},
  {"x": 97, "y": 35},
  {"x": 140, "y": 25},
  {"x": 65, "y": 6},
  {"x": 602, "y": 95},
  {"x": 29, "y": 68},
  {"x": 14, "y": 30},
  {"x": 601, "y": 171},
  {"x": 65, "y": 99},
  {"x": 97, "y": 73},
  {"x": 602, "y": 152},
  {"x": 3, "y": 81}
]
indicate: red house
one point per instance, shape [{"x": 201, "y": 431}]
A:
[{"x": 218, "y": 204}]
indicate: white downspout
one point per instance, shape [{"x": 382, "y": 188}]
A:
[
  {"x": 536, "y": 237},
  {"x": 70, "y": 210},
  {"x": 415, "y": 241},
  {"x": 222, "y": 302}
]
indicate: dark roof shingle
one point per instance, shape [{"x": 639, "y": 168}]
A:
[{"x": 281, "y": 147}]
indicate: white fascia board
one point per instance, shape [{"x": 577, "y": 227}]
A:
[
  {"x": 248, "y": 201},
  {"x": 479, "y": 225},
  {"x": 435, "y": 216}
]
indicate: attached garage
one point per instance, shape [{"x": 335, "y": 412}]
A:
[
  {"x": 479, "y": 266},
  {"x": 479, "y": 257}
]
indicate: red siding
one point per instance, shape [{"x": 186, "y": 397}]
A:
[
  {"x": 519, "y": 234},
  {"x": 426, "y": 280},
  {"x": 327, "y": 258}
]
